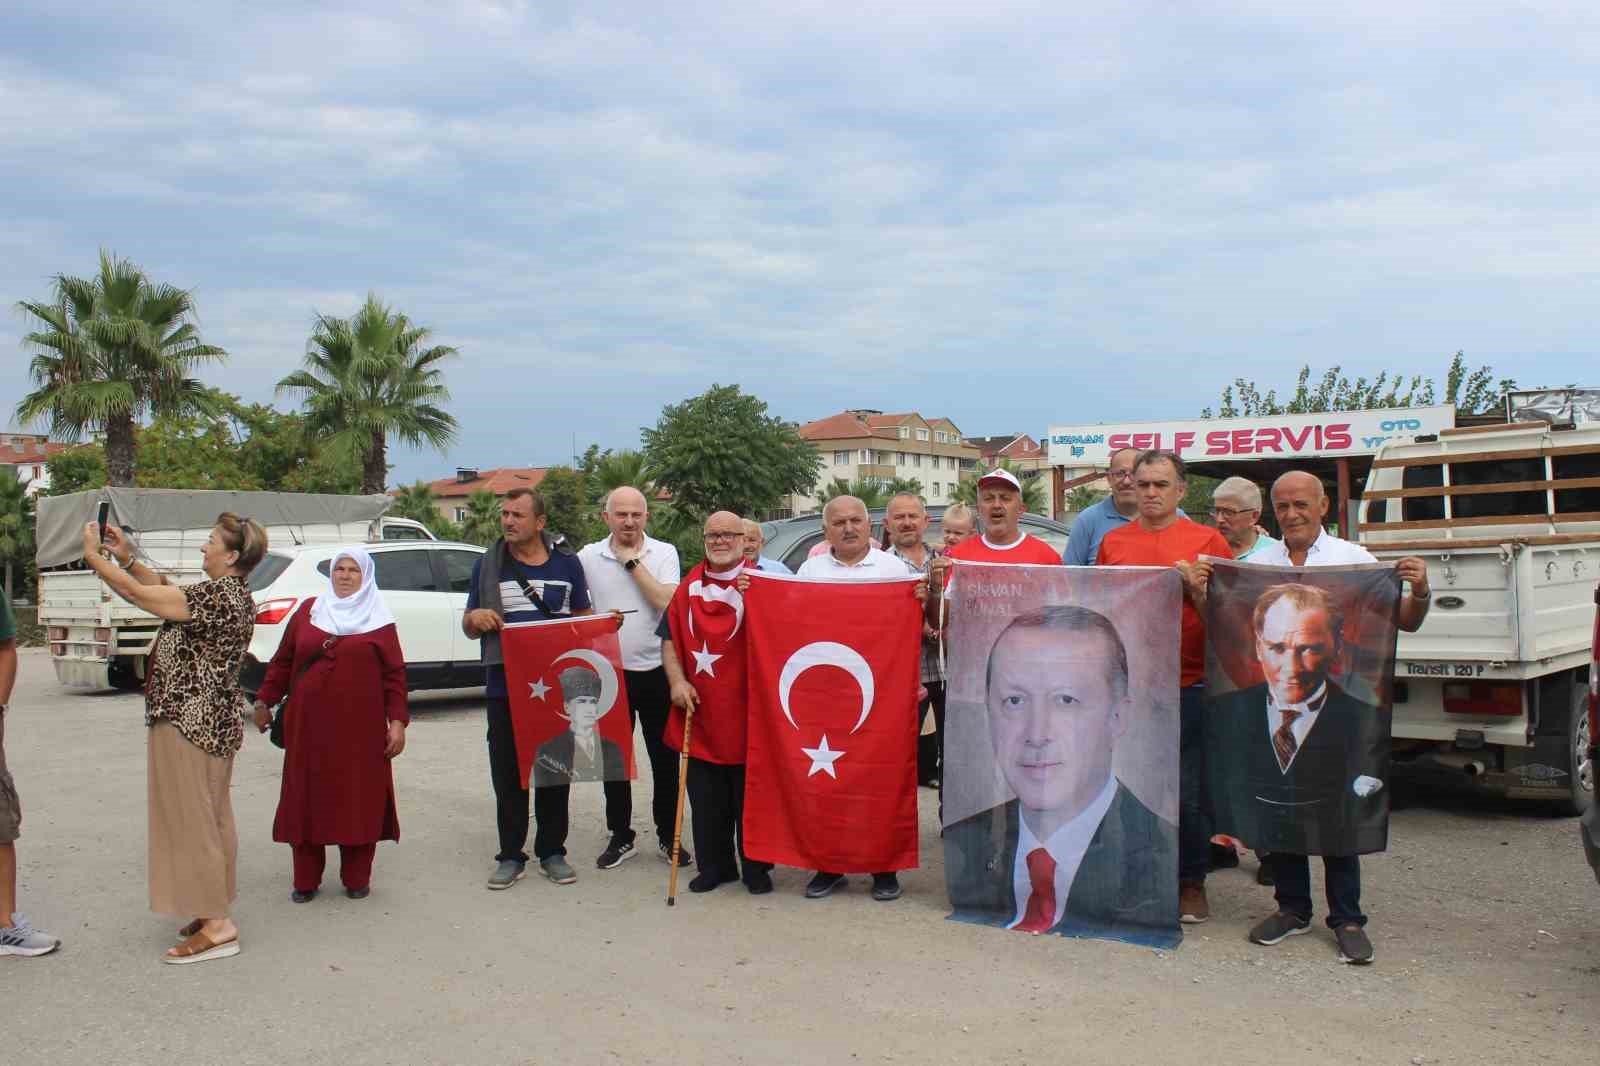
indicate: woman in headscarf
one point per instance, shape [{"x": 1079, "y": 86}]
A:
[{"x": 341, "y": 666}]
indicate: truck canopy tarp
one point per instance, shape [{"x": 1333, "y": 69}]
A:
[{"x": 59, "y": 538}]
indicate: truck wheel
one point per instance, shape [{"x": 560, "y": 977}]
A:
[
  {"x": 1581, "y": 791},
  {"x": 123, "y": 676}
]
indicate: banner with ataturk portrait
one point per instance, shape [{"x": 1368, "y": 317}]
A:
[
  {"x": 1299, "y": 669},
  {"x": 569, "y": 708},
  {"x": 1061, "y": 750}
]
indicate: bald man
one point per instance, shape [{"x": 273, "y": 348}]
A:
[
  {"x": 632, "y": 572},
  {"x": 754, "y": 541}
]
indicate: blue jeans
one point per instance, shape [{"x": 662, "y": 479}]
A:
[
  {"x": 1291, "y": 878},
  {"x": 1194, "y": 804}
]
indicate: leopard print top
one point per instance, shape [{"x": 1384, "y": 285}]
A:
[{"x": 194, "y": 667}]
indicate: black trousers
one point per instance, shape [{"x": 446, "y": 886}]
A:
[
  {"x": 1291, "y": 884},
  {"x": 511, "y": 799},
  {"x": 930, "y": 747},
  {"x": 716, "y": 798},
  {"x": 649, "y": 701}
]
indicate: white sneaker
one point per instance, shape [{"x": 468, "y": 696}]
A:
[{"x": 24, "y": 939}]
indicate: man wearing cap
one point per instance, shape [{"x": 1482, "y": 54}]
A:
[
  {"x": 1000, "y": 509},
  {"x": 1161, "y": 536},
  {"x": 851, "y": 556},
  {"x": 1236, "y": 509},
  {"x": 632, "y": 572},
  {"x": 1300, "y": 505}
]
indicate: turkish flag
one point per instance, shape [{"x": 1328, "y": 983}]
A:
[
  {"x": 831, "y": 776},
  {"x": 569, "y": 708}
]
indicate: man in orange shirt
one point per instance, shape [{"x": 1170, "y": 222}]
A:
[{"x": 1162, "y": 537}]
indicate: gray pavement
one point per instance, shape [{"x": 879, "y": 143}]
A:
[{"x": 1486, "y": 921}]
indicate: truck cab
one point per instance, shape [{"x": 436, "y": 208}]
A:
[{"x": 1494, "y": 687}]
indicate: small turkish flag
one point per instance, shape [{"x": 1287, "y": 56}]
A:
[
  {"x": 569, "y": 709},
  {"x": 831, "y": 780}
]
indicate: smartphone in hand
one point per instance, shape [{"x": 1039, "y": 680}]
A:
[{"x": 105, "y": 514}]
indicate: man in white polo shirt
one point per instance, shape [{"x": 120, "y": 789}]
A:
[
  {"x": 1300, "y": 505},
  {"x": 851, "y": 556},
  {"x": 635, "y": 573}
]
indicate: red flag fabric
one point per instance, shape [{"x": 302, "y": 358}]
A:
[
  {"x": 831, "y": 781},
  {"x": 569, "y": 708},
  {"x": 706, "y": 617}
]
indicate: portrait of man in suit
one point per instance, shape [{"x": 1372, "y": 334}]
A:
[
  {"x": 579, "y": 753},
  {"x": 1299, "y": 762},
  {"x": 1076, "y": 852}
]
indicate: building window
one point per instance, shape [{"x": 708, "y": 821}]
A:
[
  {"x": 866, "y": 455},
  {"x": 936, "y": 491},
  {"x": 952, "y": 462},
  {"x": 941, "y": 437},
  {"x": 905, "y": 432},
  {"x": 922, "y": 434},
  {"x": 916, "y": 460},
  {"x": 900, "y": 458},
  {"x": 461, "y": 514},
  {"x": 841, "y": 458}
]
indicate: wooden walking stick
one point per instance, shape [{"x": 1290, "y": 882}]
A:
[{"x": 677, "y": 821}]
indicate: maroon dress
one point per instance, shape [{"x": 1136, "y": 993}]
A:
[{"x": 337, "y": 784}]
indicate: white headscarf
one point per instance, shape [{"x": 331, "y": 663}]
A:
[{"x": 360, "y": 612}]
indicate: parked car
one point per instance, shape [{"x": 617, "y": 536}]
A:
[
  {"x": 1590, "y": 824},
  {"x": 424, "y": 583},
  {"x": 790, "y": 540}
]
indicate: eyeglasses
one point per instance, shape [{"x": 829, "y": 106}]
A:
[
  {"x": 713, "y": 538},
  {"x": 1120, "y": 475},
  {"x": 1230, "y": 513}
]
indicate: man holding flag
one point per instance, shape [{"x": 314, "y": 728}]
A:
[{"x": 703, "y": 653}]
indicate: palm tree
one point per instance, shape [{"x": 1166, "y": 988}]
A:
[
  {"x": 108, "y": 351},
  {"x": 869, "y": 491},
  {"x": 482, "y": 522},
  {"x": 615, "y": 469},
  {"x": 419, "y": 503},
  {"x": 896, "y": 486},
  {"x": 369, "y": 378},
  {"x": 16, "y": 526},
  {"x": 1033, "y": 495}
]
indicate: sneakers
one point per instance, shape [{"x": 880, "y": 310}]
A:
[
  {"x": 24, "y": 939},
  {"x": 508, "y": 873},
  {"x": 557, "y": 869},
  {"x": 617, "y": 852},
  {"x": 1275, "y": 928},
  {"x": 824, "y": 885},
  {"x": 664, "y": 849},
  {"x": 1192, "y": 906},
  {"x": 885, "y": 887},
  {"x": 1354, "y": 946}
]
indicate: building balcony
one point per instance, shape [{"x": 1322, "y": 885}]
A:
[{"x": 877, "y": 471}]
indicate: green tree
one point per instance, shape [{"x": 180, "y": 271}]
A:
[
  {"x": 107, "y": 352},
  {"x": 569, "y": 506},
  {"x": 1034, "y": 498},
  {"x": 193, "y": 452},
  {"x": 609, "y": 470},
  {"x": 1472, "y": 392},
  {"x": 721, "y": 450},
  {"x": 895, "y": 486},
  {"x": 418, "y": 502},
  {"x": 16, "y": 530},
  {"x": 868, "y": 490},
  {"x": 371, "y": 377},
  {"x": 482, "y": 522},
  {"x": 76, "y": 469},
  {"x": 1083, "y": 497}
]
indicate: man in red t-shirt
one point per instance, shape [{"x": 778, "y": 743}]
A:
[
  {"x": 1162, "y": 537},
  {"x": 1000, "y": 510}
]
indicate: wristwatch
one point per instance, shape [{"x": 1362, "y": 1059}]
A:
[{"x": 630, "y": 564}]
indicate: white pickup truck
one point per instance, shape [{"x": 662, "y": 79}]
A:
[
  {"x": 96, "y": 639},
  {"x": 1494, "y": 686}
]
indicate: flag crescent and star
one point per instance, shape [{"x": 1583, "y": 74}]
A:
[
  {"x": 826, "y": 653},
  {"x": 705, "y": 659},
  {"x": 596, "y": 662}
]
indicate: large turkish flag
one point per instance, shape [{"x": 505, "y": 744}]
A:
[
  {"x": 569, "y": 707},
  {"x": 831, "y": 781}
]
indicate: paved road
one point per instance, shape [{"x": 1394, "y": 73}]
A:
[{"x": 1486, "y": 920}]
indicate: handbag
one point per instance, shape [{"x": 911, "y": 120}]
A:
[{"x": 275, "y": 730}]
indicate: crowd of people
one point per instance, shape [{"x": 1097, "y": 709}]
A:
[{"x": 339, "y": 676}]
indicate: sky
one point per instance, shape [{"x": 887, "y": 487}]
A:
[{"x": 1009, "y": 214}]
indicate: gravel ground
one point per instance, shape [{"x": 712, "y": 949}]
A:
[{"x": 1486, "y": 921}]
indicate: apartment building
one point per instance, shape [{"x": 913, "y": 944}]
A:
[
  {"x": 26, "y": 454},
  {"x": 1020, "y": 450},
  {"x": 451, "y": 493},
  {"x": 867, "y": 444}
]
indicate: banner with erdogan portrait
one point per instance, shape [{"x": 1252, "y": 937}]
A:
[
  {"x": 1299, "y": 669},
  {"x": 1061, "y": 750},
  {"x": 831, "y": 770},
  {"x": 569, "y": 709}
]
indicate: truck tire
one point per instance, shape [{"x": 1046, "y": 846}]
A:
[
  {"x": 123, "y": 675},
  {"x": 1580, "y": 791}
]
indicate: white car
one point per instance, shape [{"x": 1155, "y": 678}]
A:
[{"x": 424, "y": 583}]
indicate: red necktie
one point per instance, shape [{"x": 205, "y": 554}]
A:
[{"x": 1041, "y": 912}]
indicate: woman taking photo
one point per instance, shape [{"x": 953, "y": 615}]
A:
[
  {"x": 194, "y": 712},
  {"x": 341, "y": 666}
]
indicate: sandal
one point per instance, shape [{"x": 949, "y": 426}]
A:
[
  {"x": 200, "y": 948},
  {"x": 191, "y": 929}
]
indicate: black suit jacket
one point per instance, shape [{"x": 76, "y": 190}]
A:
[
  {"x": 1311, "y": 809},
  {"x": 559, "y": 762},
  {"x": 1125, "y": 888}
]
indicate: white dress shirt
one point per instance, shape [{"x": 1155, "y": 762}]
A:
[
  {"x": 1302, "y": 725},
  {"x": 876, "y": 565},
  {"x": 1066, "y": 846},
  {"x": 1326, "y": 550},
  {"x": 612, "y": 588}
]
